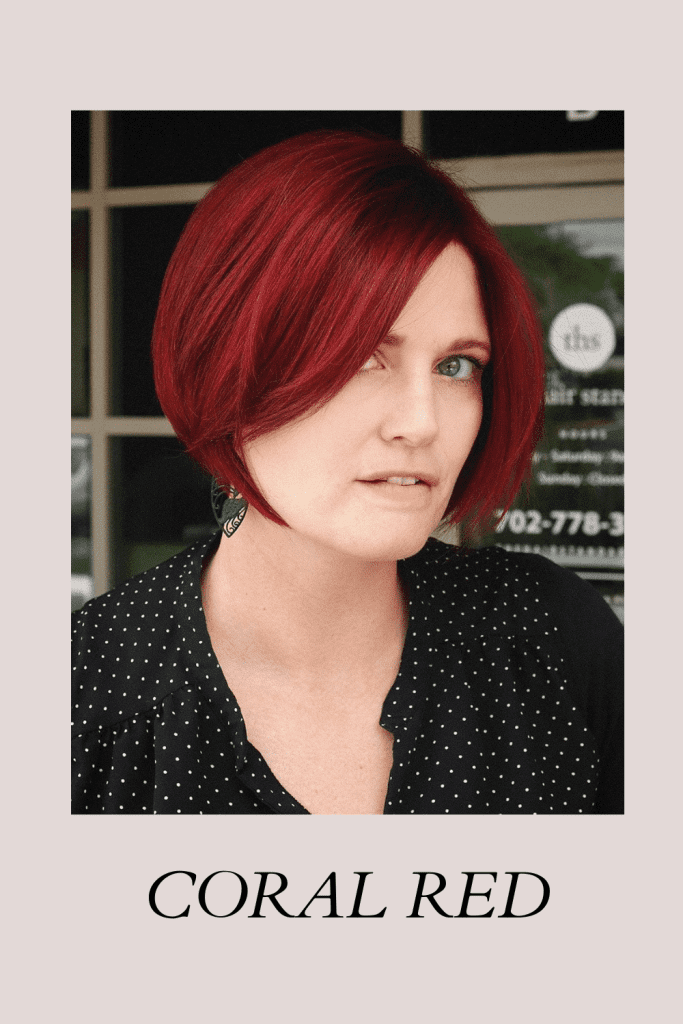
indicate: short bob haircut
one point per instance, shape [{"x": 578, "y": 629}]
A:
[{"x": 289, "y": 275}]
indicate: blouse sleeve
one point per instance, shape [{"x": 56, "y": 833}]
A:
[
  {"x": 112, "y": 748},
  {"x": 592, "y": 638}
]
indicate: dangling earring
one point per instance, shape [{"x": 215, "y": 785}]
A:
[{"x": 229, "y": 510}]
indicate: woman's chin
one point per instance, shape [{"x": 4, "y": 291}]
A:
[{"x": 388, "y": 548}]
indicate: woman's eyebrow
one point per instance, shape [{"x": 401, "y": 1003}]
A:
[{"x": 452, "y": 346}]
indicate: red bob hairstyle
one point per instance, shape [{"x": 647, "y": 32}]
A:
[{"x": 287, "y": 278}]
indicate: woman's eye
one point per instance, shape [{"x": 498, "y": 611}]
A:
[
  {"x": 370, "y": 364},
  {"x": 457, "y": 367}
]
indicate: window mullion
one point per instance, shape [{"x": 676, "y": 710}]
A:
[
  {"x": 411, "y": 129},
  {"x": 99, "y": 353}
]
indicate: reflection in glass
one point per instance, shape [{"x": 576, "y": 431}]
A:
[
  {"x": 81, "y": 548},
  {"x": 161, "y": 500},
  {"x": 143, "y": 240},
  {"x": 170, "y": 147},
  {"x": 80, "y": 314},
  {"x": 80, "y": 149},
  {"x": 456, "y": 134},
  {"x": 574, "y": 510}
]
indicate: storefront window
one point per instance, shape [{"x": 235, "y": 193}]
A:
[
  {"x": 163, "y": 502},
  {"x": 574, "y": 512}
]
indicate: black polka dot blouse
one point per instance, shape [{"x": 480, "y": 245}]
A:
[{"x": 507, "y": 700}]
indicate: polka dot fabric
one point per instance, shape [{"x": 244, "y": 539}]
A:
[{"x": 507, "y": 700}]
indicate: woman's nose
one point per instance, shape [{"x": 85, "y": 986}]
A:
[{"x": 410, "y": 413}]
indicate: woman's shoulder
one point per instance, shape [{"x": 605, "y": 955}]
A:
[
  {"x": 164, "y": 584},
  {"x": 512, "y": 582},
  {"x": 534, "y": 609},
  {"x": 494, "y": 565},
  {"x": 523, "y": 599},
  {"x": 129, "y": 644}
]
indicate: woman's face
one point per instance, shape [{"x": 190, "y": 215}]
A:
[{"x": 338, "y": 476}]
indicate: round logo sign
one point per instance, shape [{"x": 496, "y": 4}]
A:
[{"x": 582, "y": 337}]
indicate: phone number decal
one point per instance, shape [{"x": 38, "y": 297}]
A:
[{"x": 591, "y": 524}]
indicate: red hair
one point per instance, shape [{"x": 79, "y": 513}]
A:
[{"x": 289, "y": 275}]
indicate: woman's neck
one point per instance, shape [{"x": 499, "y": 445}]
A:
[{"x": 292, "y": 606}]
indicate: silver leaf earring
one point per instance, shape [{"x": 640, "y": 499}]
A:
[{"x": 229, "y": 509}]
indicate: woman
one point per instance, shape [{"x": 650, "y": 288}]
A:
[{"x": 343, "y": 344}]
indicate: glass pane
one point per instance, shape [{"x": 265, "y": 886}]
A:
[
  {"x": 80, "y": 314},
  {"x": 574, "y": 513},
  {"x": 162, "y": 502},
  {"x": 466, "y": 133},
  {"x": 80, "y": 149},
  {"x": 170, "y": 147},
  {"x": 81, "y": 552},
  {"x": 143, "y": 240}
]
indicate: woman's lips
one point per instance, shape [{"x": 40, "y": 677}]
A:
[
  {"x": 398, "y": 495},
  {"x": 402, "y": 479}
]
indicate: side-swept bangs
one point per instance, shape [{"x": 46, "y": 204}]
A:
[{"x": 289, "y": 275}]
